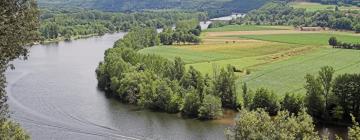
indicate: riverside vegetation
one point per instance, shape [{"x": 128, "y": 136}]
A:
[
  {"x": 157, "y": 83},
  {"x": 135, "y": 67}
]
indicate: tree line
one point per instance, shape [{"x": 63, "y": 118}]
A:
[
  {"x": 214, "y": 8},
  {"x": 344, "y": 45},
  {"x": 280, "y": 13},
  {"x": 157, "y": 83},
  {"x": 328, "y": 98},
  {"x": 68, "y": 25},
  {"x": 182, "y": 33}
]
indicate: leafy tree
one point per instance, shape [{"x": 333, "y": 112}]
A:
[
  {"x": 314, "y": 101},
  {"x": 179, "y": 68},
  {"x": 18, "y": 29},
  {"x": 224, "y": 86},
  {"x": 357, "y": 28},
  {"x": 12, "y": 131},
  {"x": 210, "y": 107},
  {"x": 266, "y": 100},
  {"x": 247, "y": 96},
  {"x": 333, "y": 41},
  {"x": 354, "y": 131},
  {"x": 342, "y": 23},
  {"x": 325, "y": 77},
  {"x": 346, "y": 89},
  {"x": 192, "y": 104},
  {"x": 254, "y": 125},
  {"x": 291, "y": 103},
  {"x": 166, "y": 37},
  {"x": 193, "y": 79},
  {"x": 160, "y": 97}
]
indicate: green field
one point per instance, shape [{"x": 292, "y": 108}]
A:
[
  {"x": 304, "y": 38},
  {"x": 288, "y": 75},
  {"x": 277, "y": 59},
  {"x": 311, "y": 7},
  {"x": 247, "y": 28}
]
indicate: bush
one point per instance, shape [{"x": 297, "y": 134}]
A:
[
  {"x": 12, "y": 131},
  {"x": 210, "y": 107},
  {"x": 266, "y": 100},
  {"x": 357, "y": 28},
  {"x": 333, "y": 41},
  {"x": 191, "y": 104},
  {"x": 291, "y": 103},
  {"x": 254, "y": 125}
]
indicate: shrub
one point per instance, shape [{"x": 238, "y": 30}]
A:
[
  {"x": 266, "y": 100},
  {"x": 210, "y": 107}
]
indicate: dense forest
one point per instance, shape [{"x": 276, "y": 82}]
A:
[
  {"x": 68, "y": 25},
  {"x": 215, "y": 8},
  {"x": 281, "y": 13}
]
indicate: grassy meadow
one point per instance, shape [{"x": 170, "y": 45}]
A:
[
  {"x": 276, "y": 59},
  {"x": 311, "y": 7}
]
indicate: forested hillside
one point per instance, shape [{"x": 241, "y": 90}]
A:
[{"x": 213, "y": 7}]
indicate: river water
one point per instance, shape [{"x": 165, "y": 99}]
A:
[{"x": 54, "y": 96}]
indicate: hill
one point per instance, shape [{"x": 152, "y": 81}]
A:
[{"x": 213, "y": 7}]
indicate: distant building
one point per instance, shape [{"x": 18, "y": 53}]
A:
[{"x": 228, "y": 18}]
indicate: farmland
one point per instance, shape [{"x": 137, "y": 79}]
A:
[
  {"x": 311, "y": 7},
  {"x": 247, "y": 28},
  {"x": 276, "y": 59}
]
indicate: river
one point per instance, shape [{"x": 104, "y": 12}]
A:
[{"x": 53, "y": 95}]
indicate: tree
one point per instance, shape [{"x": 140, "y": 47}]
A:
[
  {"x": 179, "y": 68},
  {"x": 12, "y": 131},
  {"x": 166, "y": 37},
  {"x": 357, "y": 28},
  {"x": 333, "y": 41},
  {"x": 192, "y": 104},
  {"x": 253, "y": 125},
  {"x": 193, "y": 79},
  {"x": 291, "y": 103},
  {"x": 224, "y": 86},
  {"x": 18, "y": 29},
  {"x": 314, "y": 101},
  {"x": 210, "y": 107},
  {"x": 265, "y": 100},
  {"x": 247, "y": 97},
  {"x": 325, "y": 77},
  {"x": 354, "y": 131},
  {"x": 346, "y": 89}
]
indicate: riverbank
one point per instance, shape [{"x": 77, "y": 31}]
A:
[{"x": 47, "y": 41}]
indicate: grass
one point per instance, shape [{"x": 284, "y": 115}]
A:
[
  {"x": 207, "y": 53},
  {"x": 277, "y": 59},
  {"x": 311, "y": 7},
  {"x": 246, "y": 28},
  {"x": 288, "y": 75},
  {"x": 304, "y": 38}
]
